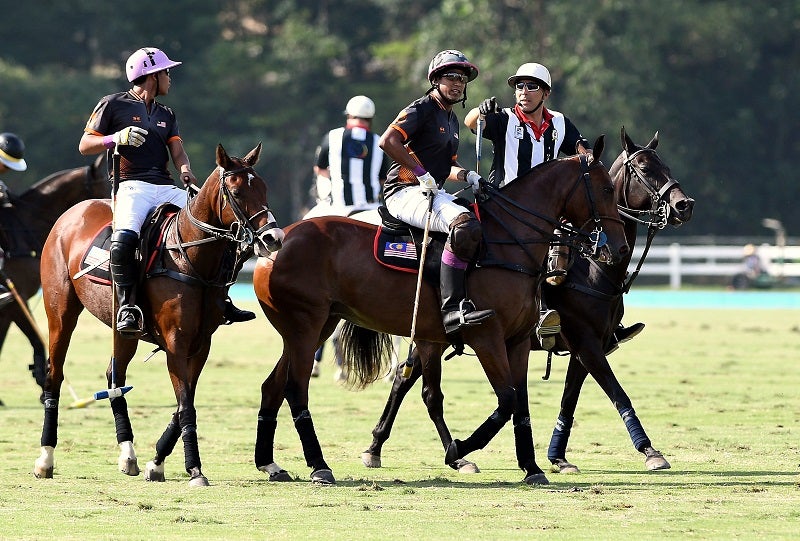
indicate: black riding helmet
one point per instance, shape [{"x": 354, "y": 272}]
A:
[
  {"x": 448, "y": 59},
  {"x": 12, "y": 151}
]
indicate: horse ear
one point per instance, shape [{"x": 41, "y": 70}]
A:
[
  {"x": 627, "y": 143},
  {"x": 597, "y": 148},
  {"x": 222, "y": 156},
  {"x": 252, "y": 157},
  {"x": 653, "y": 142}
]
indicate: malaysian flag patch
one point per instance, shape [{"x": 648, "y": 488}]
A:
[{"x": 404, "y": 250}]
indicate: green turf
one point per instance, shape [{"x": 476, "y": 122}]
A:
[{"x": 718, "y": 391}]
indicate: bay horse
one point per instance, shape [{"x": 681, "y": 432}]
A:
[
  {"x": 182, "y": 300},
  {"x": 326, "y": 272},
  {"x": 25, "y": 226},
  {"x": 590, "y": 303}
]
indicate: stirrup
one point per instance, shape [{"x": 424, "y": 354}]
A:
[
  {"x": 548, "y": 328},
  {"x": 130, "y": 320},
  {"x": 466, "y": 316}
]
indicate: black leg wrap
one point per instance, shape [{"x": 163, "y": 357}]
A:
[
  {"x": 308, "y": 438},
  {"x": 50, "y": 425},
  {"x": 166, "y": 443},
  {"x": 119, "y": 406},
  {"x": 265, "y": 438},
  {"x": 188, "y": 423},
  {"x": 560, "y": 437},
  {"x": 484, "y": 434},
  {"x": 523, "y": 442}
]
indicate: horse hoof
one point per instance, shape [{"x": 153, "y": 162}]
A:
[
  {"x": 323, "y": 477},
  {"x": 129, "y": 466},
  {"x": 199, "y": 481},
  {"x": 451, "y": 453},
  {"x": 154, "y": 473},
  {"x": 562, "y": 466},
  {"x": 654, "y": 460},
  {"x": 276, "y": 473},
  {"x": 370, "y": 460},
  {"x": 536, "y": 479},
  {"x": 464, "y": 466},
  {"x": 43, "y": 473}
]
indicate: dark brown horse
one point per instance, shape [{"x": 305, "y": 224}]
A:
[
  {"x": 24, "y": 229},
  {"x": 326, "y": 272},
  {"x": 591, "y": 307},
  {"x": 182, "y": 300}
]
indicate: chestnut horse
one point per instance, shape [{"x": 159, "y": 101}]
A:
[
  {"x": 25, "y": 227},
  {"x": 591, "y": 305},
  {"x": 182, "y": 302},
  {"x": 326, "y": 272}
]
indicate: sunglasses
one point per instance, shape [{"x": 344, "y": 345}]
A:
[
  {"x": 453, "y": 77},
  {"x": 529, "y": 86},
  {"x": 166, "y": 71}
]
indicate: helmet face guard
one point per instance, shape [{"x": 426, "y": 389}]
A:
[
  {"x": 449, "y": 59},
  {"x": 12, "y": 150},
  {"x": 147, "y": 60}
]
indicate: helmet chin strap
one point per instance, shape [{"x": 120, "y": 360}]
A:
[{"x": 462, "y": 101}]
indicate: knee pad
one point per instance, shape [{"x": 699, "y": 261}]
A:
[{"x": 465, "y": 236}]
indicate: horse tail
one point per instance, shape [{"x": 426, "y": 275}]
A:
[{"x": 365, "y": 354}]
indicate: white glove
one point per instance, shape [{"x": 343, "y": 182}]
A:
[
  {"x": 132, "y": 135},
  {"x": 474, "y": 180},
  {"x": 428, "y": 182}
]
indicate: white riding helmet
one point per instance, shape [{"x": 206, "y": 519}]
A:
[
  {"x": 147, "y": 60},
  {"x": 531, "y": 70},
  {"x": 361, "y": 107}
]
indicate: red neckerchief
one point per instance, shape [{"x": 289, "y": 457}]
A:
[
  {"x": 538, "y": 131},
  {"x": 356, "y": 123}
]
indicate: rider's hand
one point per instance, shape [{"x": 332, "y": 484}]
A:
[
  {"x": 132, "y": 135},
  {"x": 488, "y": 106},
  {"x": 474, "y": 180},
  {"x": 427, "y": 181},
  {"x": 188, "y": 178}
]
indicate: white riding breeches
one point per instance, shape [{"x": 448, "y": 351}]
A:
[
  {"x": 136, "y": 198},
  {"x": 411, "y": 206}
]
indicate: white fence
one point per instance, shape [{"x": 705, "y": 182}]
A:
[{"x": 676, "y": 261}]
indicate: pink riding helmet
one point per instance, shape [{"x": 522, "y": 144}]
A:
[{"x": 147, "y": 60}]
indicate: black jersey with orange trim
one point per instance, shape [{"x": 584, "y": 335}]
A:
[
  {"x": 148, "y": 162},
  {"x": 430, "y": 133}
]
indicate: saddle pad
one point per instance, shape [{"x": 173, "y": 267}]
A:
[
  {"x": 395, "y": 251},
  {"x": 95, "y": 262}
]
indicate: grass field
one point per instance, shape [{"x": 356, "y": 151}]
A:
[{"x": 718, "y": 392}]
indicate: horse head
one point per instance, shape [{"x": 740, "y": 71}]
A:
[
  {"x": 595, "y": 209},
  {"x": 243, "y": 202},
  {"x": 645, "y": 186}
]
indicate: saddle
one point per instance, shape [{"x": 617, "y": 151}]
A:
[
  {"x": 398, "y": 246},
  {"x": 95, "y": 262}
]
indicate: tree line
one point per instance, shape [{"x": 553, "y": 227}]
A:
[{"x": 715, "y": 78}]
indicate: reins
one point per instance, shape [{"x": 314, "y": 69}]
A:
[{"x": 521, "y": 214}]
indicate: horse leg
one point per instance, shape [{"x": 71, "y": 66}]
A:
[
  {"x": 556, "y": 452},
  {"x": 371, "y": 458},
  {"x": 62, "y": 320},
  {"x": 116, "y": 374},
  {"x": 154, "y": 469},
  {"x": 495, "y": 366},
  {"x": 272, "y": 394},
  {"x": 597, "y": 365},
  {"x": 523, "y": 431}
]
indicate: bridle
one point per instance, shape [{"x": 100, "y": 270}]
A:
[
  {"x": 241, "y": 231},
  {"x": 587, "y": 243},
  {"x": 658, "y": 213}
]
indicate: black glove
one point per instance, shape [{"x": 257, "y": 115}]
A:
[{"x": 488, "y": 106}]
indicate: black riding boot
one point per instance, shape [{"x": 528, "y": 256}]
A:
[
  {"x": 457, "y": 310},
  {"x": 124, "y": 273},
  {"x": 233, "y": 314}
]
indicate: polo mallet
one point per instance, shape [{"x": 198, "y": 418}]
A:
[
  {"x": 478, "y": 145},
  {"x": 77, "y": 402},
  {"x": 409, "y": 366},
  {"x": 113, "y": 391}
]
